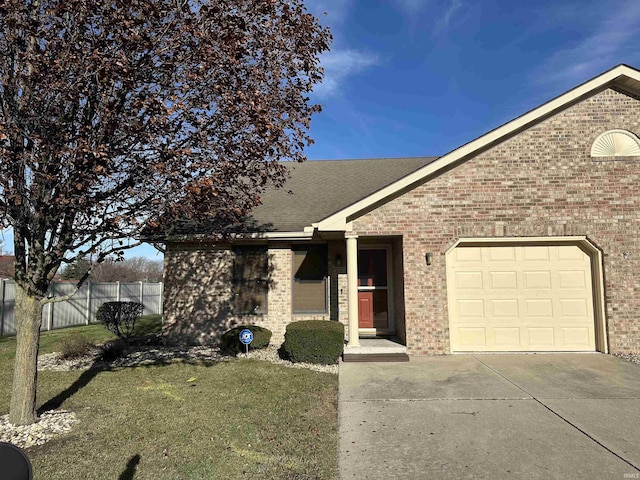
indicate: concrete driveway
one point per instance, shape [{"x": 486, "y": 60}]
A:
[{"x": 491, "y": 416}]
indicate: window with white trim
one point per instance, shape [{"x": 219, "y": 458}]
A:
[
  {"x": 310, "y": 279},
  {"x": 250, "y": 280}
]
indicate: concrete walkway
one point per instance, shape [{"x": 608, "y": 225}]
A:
[{"x": 491, "y": 416}]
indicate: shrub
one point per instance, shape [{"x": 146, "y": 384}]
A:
[
  {"x": 120, "y": 317},
  {"x": 314, "y": 341},
  {"x": 230, "y": 340},
  {"x": 111, "y": 351},
  {"x": 75, "y": 346}
]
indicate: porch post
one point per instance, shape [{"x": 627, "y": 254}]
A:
[{"x": 352, "y": 288}]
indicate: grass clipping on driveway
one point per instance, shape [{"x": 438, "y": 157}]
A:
[{"x": 233, "y": 419}]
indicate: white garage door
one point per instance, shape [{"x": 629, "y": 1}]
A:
[{"x": 520, "y": 298}]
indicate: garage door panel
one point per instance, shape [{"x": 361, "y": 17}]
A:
[
  {"x": 468, "y": 308},
  {"x": 539, "y": 307},
  {"x": 470, "y": 336},
  {"x": 570, "y": 279},
  {"x": 576, "y": 336},
  {"x": 504, "y": 308},
  {"x": 574, "y": 308},
  {"x": 542, "y": 337},
  {"x": 507, "y": 337},
  {"x": 520, "y": 298},
  {"x": 502, "y": 280},
  {"x": 469, "y": 280},
  {"x": 537, "y": 280},
  {"x": 469, "y": 254},
  {"x": 536, "y": 253},
  {"x": 500, "y": 254},
  {"x": 572, "y": 254}
]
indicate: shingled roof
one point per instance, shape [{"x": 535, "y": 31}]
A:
[{"x": 319, "y": 188}]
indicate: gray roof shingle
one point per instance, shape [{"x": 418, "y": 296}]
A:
[{"x": 320, "y": 188}]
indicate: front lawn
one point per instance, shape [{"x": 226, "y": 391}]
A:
[{"x": 225, "y": 420}]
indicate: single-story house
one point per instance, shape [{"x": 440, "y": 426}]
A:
[{"x": 524, "y": 239}]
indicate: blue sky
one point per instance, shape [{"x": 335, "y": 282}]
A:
[{"x": 422, "y": 77}]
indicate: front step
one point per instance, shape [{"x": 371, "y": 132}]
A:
[
  {"x": 375, "y": 357},
  {"x": 376, "y": 349}
]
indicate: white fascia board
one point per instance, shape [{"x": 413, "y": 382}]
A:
[
  {"x": 304, "y": 235},
  {"x": 339, "y": 219}
]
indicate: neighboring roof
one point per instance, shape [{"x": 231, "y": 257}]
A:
[
  {"x": 320, "y": 188},
  {"x": 623, "y": 77}
]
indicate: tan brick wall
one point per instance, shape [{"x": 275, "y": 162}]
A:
[
  {"x": 198, "y": 293},
  {"x": 279, "y": 296},
  {"x": 540, "y": 182}
]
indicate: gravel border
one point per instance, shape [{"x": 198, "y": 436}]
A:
[
  {"x": 630, "y": 357},
  {"x": 149, "y": 355},
  {"x": 50, "y": 425}
]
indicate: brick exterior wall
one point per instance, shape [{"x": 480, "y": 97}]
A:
[
  {"x": 540, "y": 182},
  {"x": 198, "y": 295}
]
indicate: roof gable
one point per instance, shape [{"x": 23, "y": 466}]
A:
[{"x": 622, "y": 77}]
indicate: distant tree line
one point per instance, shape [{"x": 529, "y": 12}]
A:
[
  {"x": 7, "y": 269},
  {"x": 135, "y": 269}
]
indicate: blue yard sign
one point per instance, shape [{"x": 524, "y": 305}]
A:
[{"x": 246, "y": 337}]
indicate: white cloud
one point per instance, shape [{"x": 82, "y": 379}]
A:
[
  {"x": 412, "y": 7},
  {"x": 342, "y": 62},
  {"x": 614, "y": 40},
  {"x": 445, "y": 20},
  {"x": 339, "y": 66},
  {"x": 441, "y": 13}
]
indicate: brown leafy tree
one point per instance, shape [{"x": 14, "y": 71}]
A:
[
  {"x": 126, "y": 113},
  {"x": 135, "y": 269}
]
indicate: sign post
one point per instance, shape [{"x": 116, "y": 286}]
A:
[{"x": 246, "y": 337}]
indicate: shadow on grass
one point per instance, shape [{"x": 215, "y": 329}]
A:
[
  {"x": 82, "y": 381},
  {"x": 130, "y": 469},
  {"x": 148, "y": 324},
  {"x": 134, "y": 356}
]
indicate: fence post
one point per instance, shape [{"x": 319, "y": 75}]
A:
[
  {"x": 161, "y": 312},
  {"x": 142, "y": 295},
  {"x": 50, "y": 316},
  {"x": 52, "y": 289},
  {"x": 2, "y": 308},
  {"x": 118, "y": 294},
  {"x": 88, "y": 308}
]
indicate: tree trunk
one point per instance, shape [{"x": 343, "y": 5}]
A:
[{"x": 28, "y": 312}]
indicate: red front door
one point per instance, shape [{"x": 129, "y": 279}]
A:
[
  {"x": 365, "y": 309},
  {"x": 373, "y": 304}
]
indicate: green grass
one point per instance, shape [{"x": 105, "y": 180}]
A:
[
  {"x": 52, "y": 341},
  {"x": 225, "y": 420}
]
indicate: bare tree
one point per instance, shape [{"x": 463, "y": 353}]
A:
[
  {"x": 120, "y": 114},
  {"x": 6, "y": 266},
  {"x": 135, "y": 269}
]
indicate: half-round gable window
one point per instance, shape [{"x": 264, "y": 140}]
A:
[{"x": 616, "y": 143}]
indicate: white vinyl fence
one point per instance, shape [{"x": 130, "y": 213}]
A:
[{"x": 81, "y": 309}]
